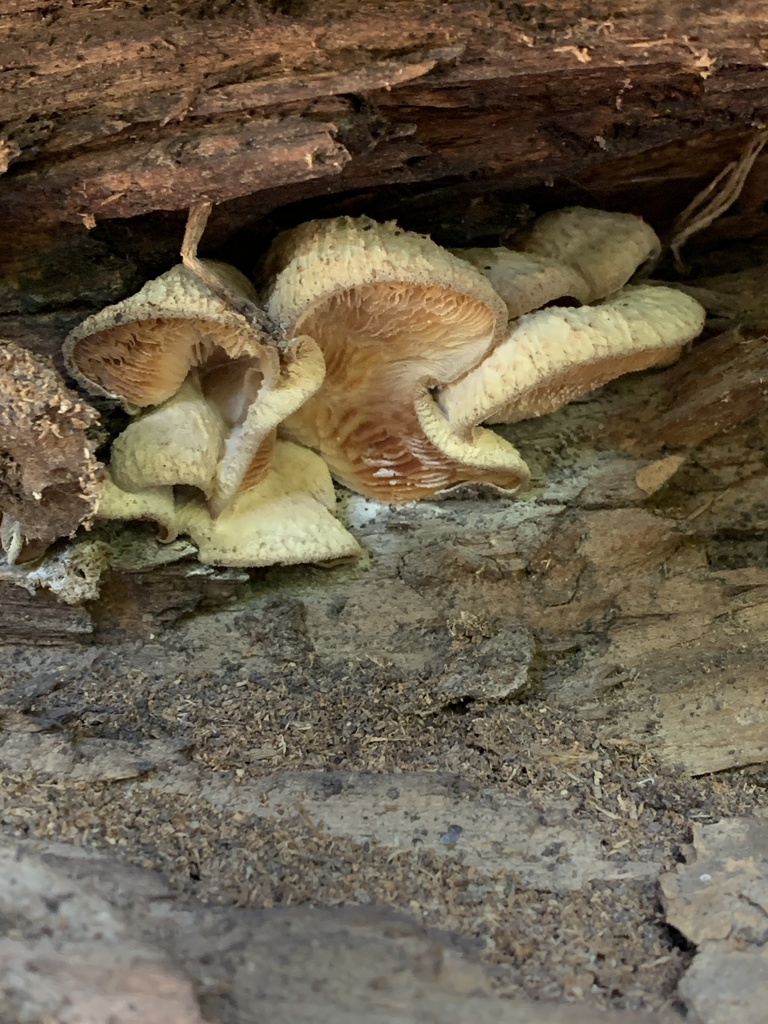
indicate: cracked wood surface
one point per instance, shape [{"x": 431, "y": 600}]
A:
[
  {"x": 95, "y": 938},
  {"x": 113, "y": 110}
]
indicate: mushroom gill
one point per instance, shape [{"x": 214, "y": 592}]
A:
[
  {"x": 395, "y": 315},
  {"x": 557, "y": 354},
  {"x": 176, "y": 332}
]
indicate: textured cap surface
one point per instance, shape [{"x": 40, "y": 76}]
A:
[
  {"x": 179, "y": 442},
  {"x": 155, "y": 505},
  {"x": 557, "y": 354},
  {"x": 284, "y": 520},
  {"x": 526, "y": 281},
  {"x": 604, "y": 248}
]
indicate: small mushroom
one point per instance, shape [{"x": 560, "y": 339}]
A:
[
  {"x": 555, "y": 355},
  {"x": 526, "y": 281},
  {"x": 180, "y": 441},
  {"x": 153, "y": 505},
  {"x": 176, "y": 330},
  {"x": 605, "y": 249},
  {"x": 286, "y": 519},
  {"x": 50, "y": 478},
  {"x": 394, "y": 315}
]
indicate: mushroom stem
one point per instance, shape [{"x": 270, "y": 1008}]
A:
[
  {"x": 242, "y": 465},
  {"x": 255, "y": 317}
]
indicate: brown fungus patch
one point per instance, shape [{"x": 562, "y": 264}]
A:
[{"x": 50, "y": 479}]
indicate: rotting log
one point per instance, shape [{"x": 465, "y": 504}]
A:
[
  {"x": 456, "y": 119},
  {"x": 116, "y": 111},
  {"x": 119, "y": 110},
  {"x": 628, "y": 588}
]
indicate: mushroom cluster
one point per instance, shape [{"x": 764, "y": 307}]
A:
[
  {"x": 208, "y": 390},
  {"x": 422, "y": 345},
  {"x": 375, "y": 360}
]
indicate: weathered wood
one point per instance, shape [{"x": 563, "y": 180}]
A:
[
  {"x": 719, "y": 385},
  {"x": 124, "y": 943},
  {"x": 646, "y": 568},
  {"x": 625, "y": 594},
  {"x": 115, "y": 110},
  {"x": 716, "y": 896}
]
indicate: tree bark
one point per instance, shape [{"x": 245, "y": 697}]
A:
[{"x": 117, "y": 110}]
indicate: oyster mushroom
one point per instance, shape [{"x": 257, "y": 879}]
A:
[
  {"x": 153, "y": 505},
  {"x": 605, "y": 249},
  {"x": 176, "y": 331},
  {"x": 180, "y": 441},
  {"x": 395, "y": 315},
  {"x": 555, "y": 355},
  {"x": 526, "y": 281},
  {"x": 285, "y": 519},
  {"x": 50, "y": 478}
]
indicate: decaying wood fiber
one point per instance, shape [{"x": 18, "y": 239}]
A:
[
  {"x": 114, "y": 110},
  {"x": 49, "y": 475}
]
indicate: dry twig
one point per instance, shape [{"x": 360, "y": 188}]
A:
[{"x": 724, "y": 189}]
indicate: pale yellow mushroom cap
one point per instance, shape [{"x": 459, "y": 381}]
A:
[
  {"x": 248, "y": 446},
  {"x": 604, "y": 248},
  {"x": 526, "y": 281},
  {"x": 180, "y": 441},
  {"x": 394, "y": 315},
  {"x": 154, "y": 505},
  {"x": 286, "y": 519},
  {"x": 140, "y": 350},
  {"x": 555, "y": 355}
]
